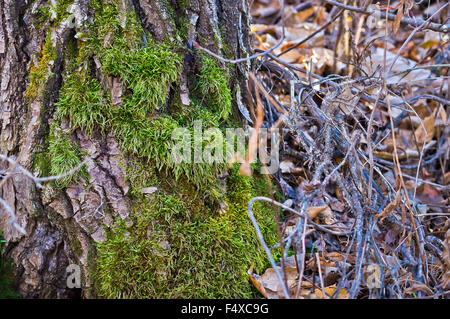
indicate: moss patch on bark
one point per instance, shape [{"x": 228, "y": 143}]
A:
[
  {"x": 182, "y": 247},
  {"x": 192, "y": 238},
  {"x": 6, "y": 276}
]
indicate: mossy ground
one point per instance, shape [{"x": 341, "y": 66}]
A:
[{"x": 189, "y": 239}]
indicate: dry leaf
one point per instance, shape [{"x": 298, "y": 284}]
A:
[
  {"x": 425, "y": 133},
  {"x": 332, "y": 261},
  {"x": 322, "y": 57},
  {"x": 441, "y": 117},
  {"x": 337, "y": 206},
  {"x": 329, "y": 291},
  {"x": 271, "y": 284},
  {"x": 302, "y": 31},
  {"x": 256, "y": 281},
  {"x": 397, "y": 20},
  {"x": 390, "y": 207},
  {"x": 447, "y": 178},
  {"x": 293, "y": 18},
  {"x": 314, "y": 211},
  {"x": 431, "y": 39},
  {"x": 326, "y": 216},
  {"x": 336, "y": 256},
  {"x": 376, "y": 60},
  {"x": 312, "y": 263},
  {"x": 428, "y": 194},
  {"x": 293, "y": 56}
]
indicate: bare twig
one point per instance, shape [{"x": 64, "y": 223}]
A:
[{"x": 37, "y": 180}]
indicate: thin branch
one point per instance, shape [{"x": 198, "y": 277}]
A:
[
  {"x": 444, "y": 28},
  {"x": 198, "y": 46},
  {"x": 37, "y": 180}
]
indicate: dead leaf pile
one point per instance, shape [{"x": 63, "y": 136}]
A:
[{"x": 364, "y": 149}]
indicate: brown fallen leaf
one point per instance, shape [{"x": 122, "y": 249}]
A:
[
  {"x": 314, "y": 211},
  {"x": 425, "y": 133},
  {"x": 374, "y": 61},
  {"x": 390, "y": 207},
  {"x": 329, "y": 291},
  {"x": 398, "y": 18},
  {"x": 269, "y": 286},
  {"x": 292, "y": 56},
  {"x": 272, "y": 287},
  {"x": 447, "y": 178},
  {"x": 338, "y": 206},
  {"x": 336, "y": 256},
  {"x": 312, "y": 263},
  {"x": 256, "y": 281},
  {"x": 327, "y": 217},
  {"x": 293, "y": 18},
  {"x": 428, "y": 194},
  {"x": 287, "y": 167},
  {"x": 431, "y": 39}
]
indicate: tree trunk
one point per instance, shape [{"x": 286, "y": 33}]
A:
[{"x": 71, "y": 72}]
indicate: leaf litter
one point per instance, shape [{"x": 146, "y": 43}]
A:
[{"x": 364, "y": 149}]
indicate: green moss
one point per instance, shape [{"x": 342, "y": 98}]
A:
[
  {"x": 213, "y": 87},
  {"x": 183, "y": 4},
  {"x": 83, "y": 101},
  {"x": 64, "y": 156},
  {"x": 76, "y": 247},
  {"x": 181, "y": 247},
  {"x": 38, "y": 75},
  {"x": 181, "y": 243},
  {"x": 41, "y": 163},
  {"x": 42, "y": 16},
  {"x": 146, "y": 73},
  {"x": 107, "y": 26},
  {"x": 6, "y": 276}
]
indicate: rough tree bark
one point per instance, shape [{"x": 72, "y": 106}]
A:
[{"x": 62, "y": 224}]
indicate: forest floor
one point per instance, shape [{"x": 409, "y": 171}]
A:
[{"x": 362, "y": 107}]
